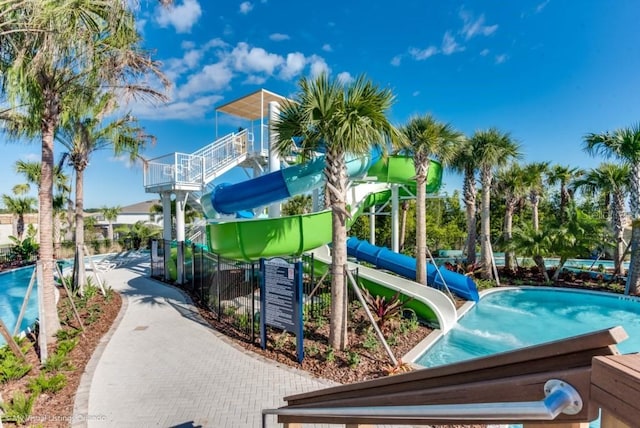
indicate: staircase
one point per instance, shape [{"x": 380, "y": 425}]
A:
[{"x": 192, "y": 172}]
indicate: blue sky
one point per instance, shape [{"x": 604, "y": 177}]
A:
[{"x": 547, "y": 71}]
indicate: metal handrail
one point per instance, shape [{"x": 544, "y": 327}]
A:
[{"x": 560, "y": 397}]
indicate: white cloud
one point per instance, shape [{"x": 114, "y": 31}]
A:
[
  {"x": 449, "y": 44},
  {"x": 191, "y": 58},
  {"x": 246, "y": 7},
  {"x": 501, "y": 58},
  {"x": 327, "y": 47},
  {"x": 254, "y": 80},
  {"x": 396, "y": 60},
  {"x": 541, "y": 6},
  {"x": 293, "y": 66},
  {"x": 318, "y": 66},
  {"x": 213, "y": 77},
  {"x": 195, "y": 109},
  {"x": 345, "y": 78},
  {"x": 278, "y": 37},
  {"x": 181, "y": 16},
  {"x": 484, "y": 52},
  {"x": 422, "y": 54},
  {"x": 250, "y": 60},
  {"x": 475, "y": 26},
  {"x": 187, "y": 44}
]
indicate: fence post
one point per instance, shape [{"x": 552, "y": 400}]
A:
[{"x": 219, "y": 309}]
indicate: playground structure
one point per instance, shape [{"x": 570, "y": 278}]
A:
[{"x": 238, "y": 226}]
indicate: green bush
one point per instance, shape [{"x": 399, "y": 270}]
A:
[
  {"x": 11, "y": 368},
  {"x": 42, "y": 383},
  {"x": 56, "y": 362},
  {"x": 18, "y": 409},
  {"x": 353, "y": 359}
]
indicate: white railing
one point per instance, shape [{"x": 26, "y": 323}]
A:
[
  {"x": 224, "y": 153},
  {"x": 176, "y": 168}
]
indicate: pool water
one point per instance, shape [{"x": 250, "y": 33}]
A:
[
  {"x": 510, "y": 319},
  {"x": 13, "y": 287}
]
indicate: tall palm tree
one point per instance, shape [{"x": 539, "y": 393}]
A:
[
  {"x": 467, "y": 163},
  {"x": 534, "y": 178},
  {"x": 53, "y": 53},
  {"x": 493, "y": 149},
  {"x": 624, "y": 145},
  {"x": 110, "y": 214},
  {"x": 563, "y": 175},
  {"x": 510, "y": 186},
  {"x": 82, "y": 136},
  {"x": 342, "y": 119},
  {"x": 424, "y": 138},
  {"x": 613, "y": 180}
]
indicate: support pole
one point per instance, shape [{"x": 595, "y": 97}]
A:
[
  {"x": 372, "y": 225},
  {"x": 395, "y": 209},
  {"x": 356, "y": 290},
  {"x": 274, "y": 156},
  {"x": 181, "y": 202},
  {"x": 165, "y": 197},
  {"x": 25, "y": 303}
]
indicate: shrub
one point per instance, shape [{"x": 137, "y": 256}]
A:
[
  {"x": 42, "y": 383},
  {"x": 353, "y": 359},
  {"x": 56, "y": 362},
  {"x": 19, "y": 408},
  {"x": 11, "y": 368},
  {"x": 383, "y": 309},
  {"x": 370, "y": 341}
]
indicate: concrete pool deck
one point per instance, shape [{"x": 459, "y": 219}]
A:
[{"x": 162, "y": 365}]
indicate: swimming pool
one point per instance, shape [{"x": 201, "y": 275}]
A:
[
  {"x": 13, "y": 287},
  {"x": 513, "y": 318}
]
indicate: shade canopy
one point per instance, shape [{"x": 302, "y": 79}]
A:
[{"x": 253, "y": 106}]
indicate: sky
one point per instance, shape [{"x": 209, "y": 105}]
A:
[{"x": 546, "y": 71}]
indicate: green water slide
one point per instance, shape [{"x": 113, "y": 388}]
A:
[{"x": 293, "y": 235}]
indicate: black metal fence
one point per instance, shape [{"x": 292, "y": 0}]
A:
[{"x": 230, "y": 289}]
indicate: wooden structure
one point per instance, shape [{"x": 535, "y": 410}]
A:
[{"x": 513, "y": 387}]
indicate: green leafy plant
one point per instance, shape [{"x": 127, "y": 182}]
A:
[
  {"x": 313, "y": 350},
  {"x": 44, "y": 383},
  {"x": 383, "y": 310},
  {"x": 353, "y": 359},
  {"x": 67, "y": 333},
  {"x": 56, "y": 362},
  {"x": 409, "y": 322},
  {"x": 370, "y": 341},
  {"x": 281, "y": 341},
  {"x": 11, "y": 368},
  {"x": 19, "y": 408},
  {"x": 66, "y": 346},
  {"x": 330, "y": 355}
]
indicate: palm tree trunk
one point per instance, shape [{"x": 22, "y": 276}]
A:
[
  {"x": 422, "y": 169},
  {"x": 539, "y": 260},
  {"x": 20, "y": 226},
  {"x": 633, "y": 275},
  {"x": 485, "y": 223},
  {"x": 335, "y": 172},
  {"x": 535, "y": 218},
  {"x": 45, "y": 194},
  {"x": 561, "y": 263},
  {"x": 79, "y": 267},
  {"x": 509, "y": 254},
  {"x": 618, "y": 231},
  {"x": 469, "y": 191}
]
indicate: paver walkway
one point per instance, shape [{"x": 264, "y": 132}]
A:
[{"x": 161, "y": 366}]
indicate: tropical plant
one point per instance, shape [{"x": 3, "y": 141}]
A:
[
  {"x": 424, "y": 138},
  {"x": 299, "y": 204},
  {"x": 493, "y": 149},
  {"x": 137, "y": 235},
  {"x": 624, "y": 145},
  {"x": 383, "y": 309},
  {"x": 510, "y": 186},
  {"x": 564, "y": 177},
  {"x": 611, "y": 179},
  {"x": 467, "y": 162},
  {"x": 534, "y": 181},
  {"x": 343, "y": 119},
  {"x": 83, "y": 135},
  {"x": 27, "y": 248},
  {"x": 53, "y": 54},
  {"x": 19, "y": 408},
  {"x": 110, "y": 214},
  {"x": 19, "y": 206}
]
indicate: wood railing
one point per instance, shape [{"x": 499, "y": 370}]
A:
[{"x": 513, "y": 387}]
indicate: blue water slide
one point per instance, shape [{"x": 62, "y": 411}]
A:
[
  {"x": 278, "y": 185},
  {"x": 405, "y": 266}
]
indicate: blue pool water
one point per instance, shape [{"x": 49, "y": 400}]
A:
[
  {"x": 13, "y": 287},
  {"x": 516, "y": 318}
]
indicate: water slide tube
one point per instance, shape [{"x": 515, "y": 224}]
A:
[
  {"x": 428, "y": 303},
  {"x": 405, "y": 266}
]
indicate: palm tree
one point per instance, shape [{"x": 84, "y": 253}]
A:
[
  {"x": 613, "y": 180},
  {"x": 83, "y": 135},
  {"x": 563, "y": 176},
  {"x": 299, "y": 204},
  {"x": 53, "y": 53},
  {"x": 510, "y": 186},
  {"x": 19, "y": 206},
  {"x": 424, "y": 138},
  {"x": 624, "y": 145},
  {"x": 493, "y": 149},
  {"x": 534, "y": 180},
  {"x": 110, "y": 214},
  {"x": 343, "y": 119},
  {"x": 467, "y": 163}
]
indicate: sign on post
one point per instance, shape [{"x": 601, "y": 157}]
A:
[{"x": 281, "y": 300}]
